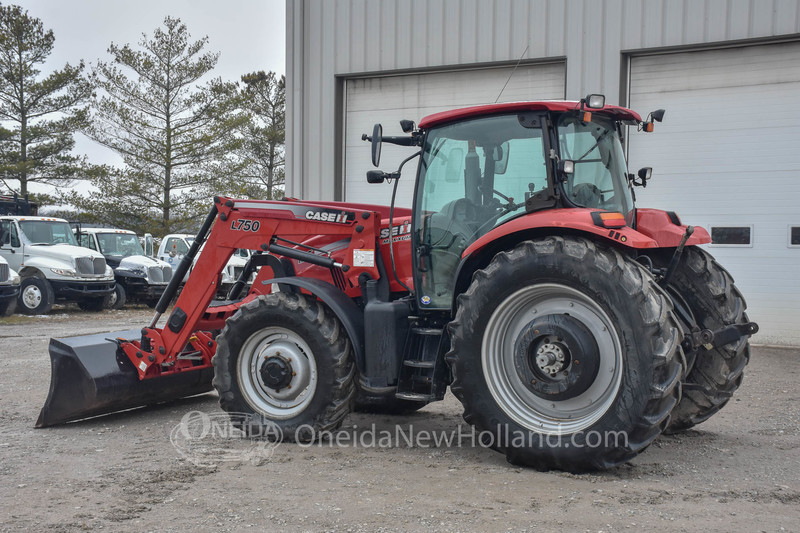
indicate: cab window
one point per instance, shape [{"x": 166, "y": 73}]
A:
[
  {"x": 8, "y": 234},
  {"x": 177, "y": 245},
  {"x": 87, "y": 241}
]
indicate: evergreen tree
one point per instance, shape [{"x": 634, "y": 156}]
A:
[
  {"x": 173, "y": 133},
  {"x": 38, "y": 114},
  {"x": 263, "y": 98}
]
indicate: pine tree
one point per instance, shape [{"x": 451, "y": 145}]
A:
[
  {"x": 263, "y": 97},
  {"x": 38, "y": 114},
  {"x": 174, "y": 134}
]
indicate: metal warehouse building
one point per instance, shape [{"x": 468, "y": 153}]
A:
[{"x": 727, "y": 155}]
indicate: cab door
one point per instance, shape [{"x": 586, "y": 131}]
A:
[
  {"x": 10, "y": 245},
  {"x": 148, "y": 245}
]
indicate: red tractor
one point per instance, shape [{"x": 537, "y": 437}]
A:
[{"x": 573, "y": 326}]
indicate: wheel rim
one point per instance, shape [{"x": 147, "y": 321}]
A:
[
  {"x": 277, "y": 373},
  {"x": 31, "y": 296},
  {"x": 508, "y": 326},
  {"x": 112, "y": 300}
]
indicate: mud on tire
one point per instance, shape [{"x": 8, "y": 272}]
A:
[
  {"x": 554, "y": 297},
  {"x": 715, "y": 302},
  {"x": 278, "y": 341}
]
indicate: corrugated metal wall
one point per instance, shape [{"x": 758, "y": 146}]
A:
[{"x": 327, "y": 39}]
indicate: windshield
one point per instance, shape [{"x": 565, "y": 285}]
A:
[
  {"x": 474, "y": 175},
  {"x": 47, "y": 232},
  {"x": 119, "y": 244},
  {"x": 600, "y": 177}
]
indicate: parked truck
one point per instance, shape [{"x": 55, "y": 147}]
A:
[
  {"x": 52, "y": 266},
  {"x": 139, "y": 278}
]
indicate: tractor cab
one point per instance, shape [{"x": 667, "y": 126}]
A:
[{"x": 484, "y": 166}]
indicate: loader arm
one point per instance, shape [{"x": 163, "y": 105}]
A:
[
  {"x": 99, "y": 374},
  {"x": 254, "y": 225}
]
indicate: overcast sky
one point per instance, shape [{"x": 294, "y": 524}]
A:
[{"x": 248, "y": 34}]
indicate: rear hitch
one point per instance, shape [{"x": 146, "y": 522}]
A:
[{"x": 710, "y": 339}]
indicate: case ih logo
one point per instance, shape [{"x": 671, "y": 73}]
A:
[
  {"x": 340, "y": 217},
  {"x": 400, "y": 232}
]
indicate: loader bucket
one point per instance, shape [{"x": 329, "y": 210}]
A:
[{"x": 91, "y": 376}]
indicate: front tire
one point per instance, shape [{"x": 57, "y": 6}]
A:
[
  {"x": 561, "y": 342},
  {"x": 285, "y": 361},
  {"x": 36, "y": 296},
  {"x": 118, "y": 298}
]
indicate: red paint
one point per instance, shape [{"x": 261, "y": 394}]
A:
[
  {"x": 656, "y": 224},
  {"x": 561, "y": 219},
  {"x": 612, "y": 111}
]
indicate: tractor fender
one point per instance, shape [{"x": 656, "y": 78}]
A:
[
  {"x": 555, "y": 221},
  {"x": 567, "y": 221},
  {"x": 348, "y": 313}
]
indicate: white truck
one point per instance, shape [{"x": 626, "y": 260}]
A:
[
  {"x": 52, "y": 266},
  {"x": 139, "y": 278},
  {"x": 175, "y": 245},
  {"x": 9, "y": 288}
]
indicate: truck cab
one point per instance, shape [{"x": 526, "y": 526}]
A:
[
  {"x": 174, "y": 246},
  {"x": 52, "y": 266},
  {"x": 139, "y": 277}
]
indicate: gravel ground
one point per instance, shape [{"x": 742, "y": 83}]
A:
[{"x": 740, "y": 471}]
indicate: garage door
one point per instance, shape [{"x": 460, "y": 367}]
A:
[
  {"x": 390, "y": 99},
  {"x": 727, "y": 157}
]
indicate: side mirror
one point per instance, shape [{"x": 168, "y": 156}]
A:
[
  {"x": 500, "y": 156},
  {"x": 377, "y": 136},
  {"x": 658, "y": 115}
]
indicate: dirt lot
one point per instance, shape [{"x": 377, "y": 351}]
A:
[{"x": 740, "y": 471}]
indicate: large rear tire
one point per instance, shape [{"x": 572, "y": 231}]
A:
[
  {"x": 715, "y": 302},
  {"x": 565, "y": 354},
  {"x": 285, "y": 361}
]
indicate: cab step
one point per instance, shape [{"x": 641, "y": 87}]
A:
[{"x": 415, "y": 396}]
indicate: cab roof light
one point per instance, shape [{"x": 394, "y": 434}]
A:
[{"x": 608, "y": 219}]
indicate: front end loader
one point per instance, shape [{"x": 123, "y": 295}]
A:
[{"x": 574, "y": 326}]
